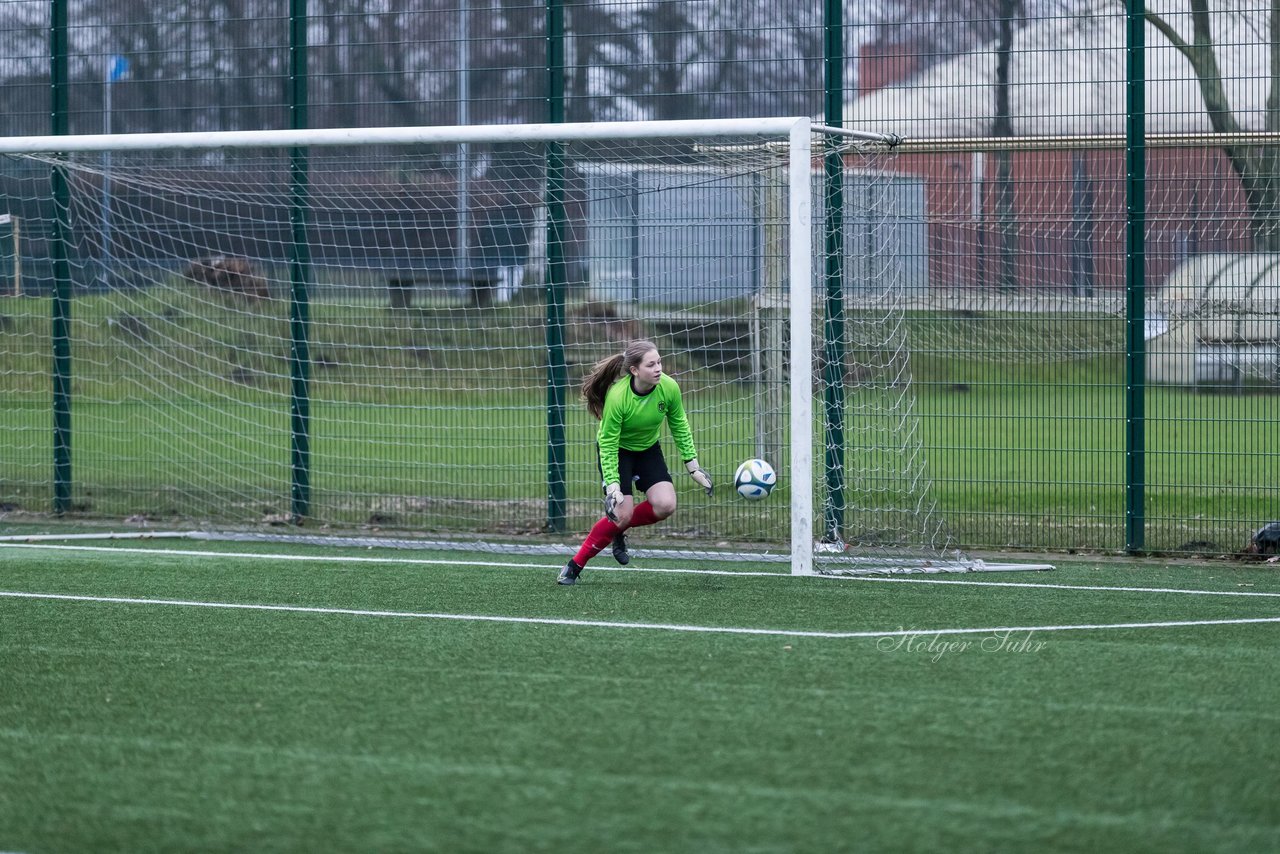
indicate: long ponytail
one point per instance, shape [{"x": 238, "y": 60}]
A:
[{"x": 606, "y": 372}]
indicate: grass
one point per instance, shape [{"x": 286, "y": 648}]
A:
[
  {"x": 192, "y": 422},
  {"x": 162, "y": 727},
  {"x": 998, "y": 477}
]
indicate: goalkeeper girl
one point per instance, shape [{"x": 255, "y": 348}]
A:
[{"x": 631, "y": 396}]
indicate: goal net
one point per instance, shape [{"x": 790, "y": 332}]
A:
[{"x": 382, "y": 332}]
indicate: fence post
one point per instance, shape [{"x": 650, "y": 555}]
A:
[
  {"x": 61, "y": 304},
  {"x": 834, "y": 327},
  {"x": 557, "y": 275},
  {"x": 299, "y": 273},
  {"x": 1135, "y": 276}
]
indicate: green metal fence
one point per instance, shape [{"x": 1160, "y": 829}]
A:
[{"x": 1095, "y": 347}]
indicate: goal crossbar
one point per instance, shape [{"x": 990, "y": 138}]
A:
[{"x": 777, "y": 127}]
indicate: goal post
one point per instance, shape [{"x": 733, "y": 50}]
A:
[
  {"x": 800, "y": 225},
  {"x": 226, "y": 316}
]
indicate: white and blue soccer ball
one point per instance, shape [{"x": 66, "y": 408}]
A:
[{"x": 754, "y": 479}]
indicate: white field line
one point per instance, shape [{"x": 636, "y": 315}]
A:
[
  {"x": 610, "y": 624},
  {"x": 304, "y": 558},
  {"x": 1095, "y": 587},
  {"x": 595, "y": 568}
]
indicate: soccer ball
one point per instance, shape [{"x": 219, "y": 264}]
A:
[{"x": 754, "y": 479}]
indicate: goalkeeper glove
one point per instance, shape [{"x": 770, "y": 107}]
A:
[
  {"x": 612, "y": 498},
  {"x": 696, "y": 472}
]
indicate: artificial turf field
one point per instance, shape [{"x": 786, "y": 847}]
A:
[{"x": 175, "y": 696}]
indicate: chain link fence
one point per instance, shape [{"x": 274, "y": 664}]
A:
[{"x": 1065, "y": 401}]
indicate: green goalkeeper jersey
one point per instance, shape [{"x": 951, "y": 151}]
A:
[{"x": 634, "y": 421}]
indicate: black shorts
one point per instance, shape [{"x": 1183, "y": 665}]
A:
[{"x": 643, "y": 468}]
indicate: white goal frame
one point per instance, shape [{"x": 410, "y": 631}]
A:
[{"x": 796, "y": 133}]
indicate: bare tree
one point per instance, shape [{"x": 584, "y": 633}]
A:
[
  {"x": 941, "y": 30},
  {"x": 25, "y": 24},
  {"x": 725, "y": 59},
  {"x": 1258, "y": 167},
  {"x": 379, "y": 63},
  {"x": 204, "y": 65},
  {"x": 1008, "y": 14},
  {"x": 24, "y": 66}
]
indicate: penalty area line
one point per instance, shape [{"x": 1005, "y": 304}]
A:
[
  {"x": 661, "y": 570},
  {"x": 368, "y": 559},
  {"x": 613, "y": 624}
]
